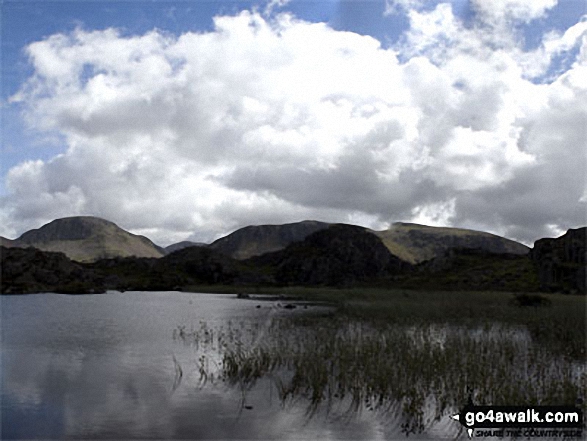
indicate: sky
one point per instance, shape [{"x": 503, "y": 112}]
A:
[{"x": 185, "y": 120}]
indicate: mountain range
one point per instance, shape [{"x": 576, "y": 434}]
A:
[
  {"x": 88, "y": 254},
  {"x": 88, "y": 239}
]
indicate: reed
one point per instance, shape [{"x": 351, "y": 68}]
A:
[{"x": 402, "y": 355}]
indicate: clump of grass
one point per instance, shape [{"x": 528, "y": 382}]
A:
[{"x": 534, "y": 300}]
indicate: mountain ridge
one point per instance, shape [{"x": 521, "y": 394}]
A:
[
  {"x": 87, "y": 239},
  {"x": 338, "y": 256}
]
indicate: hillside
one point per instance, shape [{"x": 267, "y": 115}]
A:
[
  {"x": 340, "y": 255},
  {"x": 415, "y": 243},
  {"x": 255, "y": 240},
  {"x": 183, "y": 244},
  {"x": 474, "y": 269},
  {"x": 86, "y": 239}
]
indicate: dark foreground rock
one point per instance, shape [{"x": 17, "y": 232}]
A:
[
  {"x": 561, "y": 261},
  {"x": 28, "y": 270}
]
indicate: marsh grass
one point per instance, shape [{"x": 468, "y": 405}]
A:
[{"x": 418, "y": 355}]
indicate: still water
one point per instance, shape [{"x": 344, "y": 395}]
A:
[{"x": 106, "y": 366}]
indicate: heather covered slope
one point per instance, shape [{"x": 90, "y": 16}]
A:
[
  {"x": 416, "y": 243},
  {"x": 86, "y": 239},
  {"x": 255, "y": 240}
]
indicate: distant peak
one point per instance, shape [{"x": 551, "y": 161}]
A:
[
  {"x": 88, "y": 219},
  {"x": 408, "y": 224}
]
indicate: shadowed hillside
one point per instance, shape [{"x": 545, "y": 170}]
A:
[
  {"x": 184, "y": 244},
  {"x": 255, "y": 240},
  {"x": 339, "y": 255},
  {"x": 8, "y": 243},
  {"x": 474, "y": 269}
]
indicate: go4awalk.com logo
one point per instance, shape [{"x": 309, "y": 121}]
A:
[{"x": 521, "y": 421}]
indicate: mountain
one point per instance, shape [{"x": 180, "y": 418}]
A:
[
  {"x": 561, "y": 261},
  {"x": 86, "y": 239},
  {"x": 415, "y": 243},
  {"x": 181, "y": 245},
  {"x": 340, "y": 255},
  {"x": 255, "y": 240}
]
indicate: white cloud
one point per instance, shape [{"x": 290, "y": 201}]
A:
[
  {"x": 517, "y": 10},
  {"x": 268, "y": 120}
]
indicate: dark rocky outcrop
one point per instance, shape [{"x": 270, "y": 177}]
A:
[
  {"x": 561, "y": 262},
  {"x": 28, "y": 270},
  {"x": 201, "y": 265},
  {"x": 341, "y": 255},
  {"x": 255, "y": 240}
]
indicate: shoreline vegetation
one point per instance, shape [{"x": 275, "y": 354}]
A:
[{"x": 416, "y": 355}]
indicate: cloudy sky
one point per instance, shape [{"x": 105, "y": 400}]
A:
[{"x": 189, "y": 119}]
